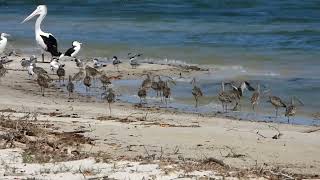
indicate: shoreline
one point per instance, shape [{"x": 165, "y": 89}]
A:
[{"x": 131, "y": 130}]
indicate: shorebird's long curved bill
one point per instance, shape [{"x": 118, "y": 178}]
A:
[{"x": 34, "y": 13}]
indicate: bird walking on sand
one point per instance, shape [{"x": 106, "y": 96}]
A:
[
  {"x": 116, "y": 62},
  {"x": 133, "y": 60},
  {"x": 111, "y": 98},
  {"x": 3, "y": 42},
  {"x": 97, "y": 64},
  {"x": 196, "y": 91},
  {"x": 43, "y": 82},
  {"x": 87, "y": 82},
  {"x": 291, "y": 109},
  {"x": 276, "y": 103},
  {"x": 61, "y": 73},
  {"x": 54, "y": 65},
  {"x": 46, "y": 41},
  {"x": 142, "y": 93},
  {"x": 255, "y": 98},
  {"x": 70, "y": 86}
]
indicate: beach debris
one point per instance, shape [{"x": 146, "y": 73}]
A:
[{"x": 196, "y": 91}]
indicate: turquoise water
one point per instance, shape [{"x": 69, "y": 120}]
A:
[{"x": 272, "y": 42}]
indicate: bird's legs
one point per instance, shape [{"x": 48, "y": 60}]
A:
[
  {"x": 110, "y": 109},
  {"x": 42, "y": 55}
]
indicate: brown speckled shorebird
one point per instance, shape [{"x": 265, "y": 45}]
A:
[
  {"x": 70, "y": 86},
  {"x": 142, "y": 93},
  {"x": 196, "y": 91},
  {"x": 225, "y": 98},
  {"x": 87, "y": 82},
  {"x": 146, "y": 84},
  {"x": 61, "y": 73},
  {"x": 111, "y": 98},
  {"x": 155, "y": 86},
  {"x": 276, "y": 103},
  {"x": 3, "y": 71},
  {"x": 166, "y": 92},
  {"x": 90, "y": 71},
  {"x": 255, "y": 98},
  {"x": 43, "y": 82},
  {"x": 79, "y": 76},
  {"x": 105, "y": 80},
  {"x": 291, "y": 109}
]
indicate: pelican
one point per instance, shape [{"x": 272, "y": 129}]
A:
[
  {"x": 46, "y": 41},
  {"x": 3, "y": 42},
  {"x": 73, "y": 51}
]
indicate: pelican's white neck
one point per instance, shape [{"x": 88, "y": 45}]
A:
[{"x": 38, "y": 23}]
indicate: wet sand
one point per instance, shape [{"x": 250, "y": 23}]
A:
[{"x": 133, "y": 131}]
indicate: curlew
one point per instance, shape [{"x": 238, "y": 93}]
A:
[
  {"x": 224, "y": 97},
  {"x": 111, "y": 98},
  {"x": 3, "y": 71},
  {"x": 255, "y": 98},
  {"x": 43, "y": 82},
  {"x": 61, "y": 73},
  {"x": 105, "y": 80},
  {"x": 90, "y": 71},
  {"x": 291, "y": 109},
  {"x": 70, "y": 86},
  {"x": 78, "y": 76},
  {"x": 276, "y": 103},
  {"x": 147, "y": 82},
  {"x": 87, "y": 82},
  {"x": 166, "y": 92},
  {"x": 196, "y": 91},
  {"x": 142, "y": 93},
  {"x": 155, "y": 86}
]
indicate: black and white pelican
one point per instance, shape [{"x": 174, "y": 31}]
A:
[
  {"x": 73, "y": 51},
  {"x": 3, "y": 42},
  {"x": 46, "y": 41}
]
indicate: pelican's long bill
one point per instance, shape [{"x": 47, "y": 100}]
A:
[{"x": 34, "y": 13}]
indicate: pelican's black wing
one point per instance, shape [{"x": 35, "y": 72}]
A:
[
  {"x": 52, "y": 45},
  {"x": 69, "y": 51}
]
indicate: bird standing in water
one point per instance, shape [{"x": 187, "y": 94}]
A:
[
  {"x": 196, "y": 91},
  {"x": 111, "y": 98},
  {"x": 61, "y": 73},
  {"x": 276, "y": 103},
  {"x": 291, "y": 109}
]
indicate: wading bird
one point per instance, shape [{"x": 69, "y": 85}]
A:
[
  {"x": 105, "y": 80},
  {"x": 196, "y": 91},
  {"x": 224, "y": 97},
  {"x": 90, "y": 71},
  {"x": 239, "y": 91},
  {"x": 166, "y": 92},
  {"x": 255, "y": 98},
  {"x": 142, "y": 93},
  {"x": 79, "y": 76},
  {"x": 291, "y": 109},
  {"x": 46, "y": 41},
  {"x": 61, "y": 73},
  {"x": 87, "y": 82},
  {"x": 3, "y": 42},
  {"x": 146, "y": 84},
  {"x": 3, "y": 71},
  {"x": 276, "y": 103},
  {"x": 70, "y": 86},
  {"x": 73, "y": 51},
  {"x": 155, "y": 86}
]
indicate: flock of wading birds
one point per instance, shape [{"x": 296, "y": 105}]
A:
[{"x": 86, "y": 74}]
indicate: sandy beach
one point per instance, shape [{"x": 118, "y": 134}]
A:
[{"x": 133, "y": 136}]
